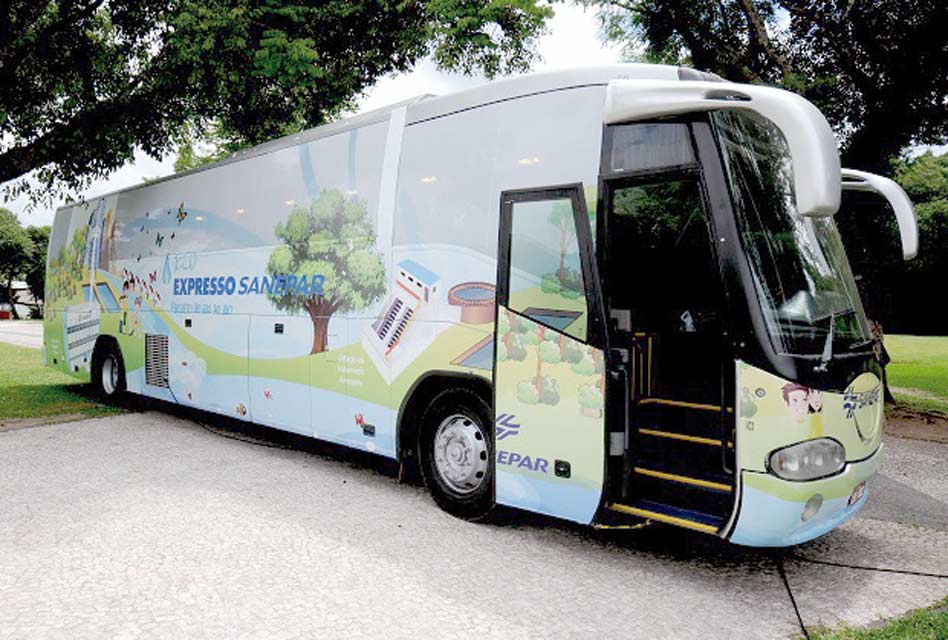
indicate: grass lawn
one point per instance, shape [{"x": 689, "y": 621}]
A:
[
  {"x": 918, "y": 373},
  {"x": 925, "y": 624},
  {"x": 29, "y": 390}
]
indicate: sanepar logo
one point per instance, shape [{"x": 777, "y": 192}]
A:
[{"x": 505, "y": 426}]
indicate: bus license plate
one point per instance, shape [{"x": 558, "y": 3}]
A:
[{"x": 857, "y": 493}]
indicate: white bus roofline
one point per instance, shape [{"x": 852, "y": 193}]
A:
[
  {"x": 813, "y": 150},
  {"x": 897, "y": 198}
]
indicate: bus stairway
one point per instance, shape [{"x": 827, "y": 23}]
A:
[{"x": 676, "y": 471}]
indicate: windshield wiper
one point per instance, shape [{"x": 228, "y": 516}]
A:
[
  {"x": 862, "y": 343},
  {"x": 828, "y": 345}
]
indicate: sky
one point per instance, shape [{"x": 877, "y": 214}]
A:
[{"x": 572, "y": 40}]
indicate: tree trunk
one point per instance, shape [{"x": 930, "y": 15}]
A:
[
  {"x": 539, "y": 381},
  {"x": 12, "y": 301},
  {"x": 563, "y": 242},
  {"x": 879, "y": 334},
  {"x": 319, "y": 312},
  {"x": 320, "y": 334},
  {"x": 509, "y": 331}
]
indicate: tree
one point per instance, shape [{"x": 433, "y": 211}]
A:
[
  {"x": 35, "y": 272},
  {"x": 332, "y": 245},
  {"x": 561, "y": 217},
  {"x": 15, "y": 250},
  {"x": 94, "y": 80},
  {"x": 872, "y": 67},
  {"x": 201, "y": 149},
  {"x": 912, "y": 284}
]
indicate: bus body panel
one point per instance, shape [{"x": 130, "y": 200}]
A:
[
  {"x": 209, "y": 283},
  {"x": 198, "y": 259},
  {"x": 775, "y": 413}
]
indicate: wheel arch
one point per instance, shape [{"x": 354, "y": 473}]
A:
[
  {"x": 419, "y": 396},
  {"x": 103, "y": 344}
]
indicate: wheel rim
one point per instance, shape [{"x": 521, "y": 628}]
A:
[
  {"x": 109, "y": 375},
  {"x": 460, "y": 454}
]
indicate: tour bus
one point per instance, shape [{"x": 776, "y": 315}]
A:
[{"x": 611, "y": 295}]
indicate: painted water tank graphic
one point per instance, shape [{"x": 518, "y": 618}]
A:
[{"x": 476, "y": 299}]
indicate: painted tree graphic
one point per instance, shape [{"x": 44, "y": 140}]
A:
[
  {"x": 332, "y": 238},
  {"x": 561, "y": 217},
  {"x": 65, "y": 275},
  {"x": 567, "y": 280}
]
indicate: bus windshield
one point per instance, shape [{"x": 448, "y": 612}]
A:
[{"x": 801, "y": 275}]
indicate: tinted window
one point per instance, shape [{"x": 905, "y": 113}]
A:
[
  {"x": 546, "y": 276},
  {"x": 635, "y": 147}
]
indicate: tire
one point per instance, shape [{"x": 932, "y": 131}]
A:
[
  {"x": 108, "y": 372},
  {"x": 457, "y": 453}
]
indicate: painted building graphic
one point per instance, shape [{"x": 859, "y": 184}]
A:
[
  {"x": 81, "y": 321},
  {"x": 81, "y": 330},
  {"x": 408, "y": 321}
]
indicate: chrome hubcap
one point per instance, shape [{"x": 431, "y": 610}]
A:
[
  {"x": 460, "y": 454},
  {"x": 109, "y": 375}
]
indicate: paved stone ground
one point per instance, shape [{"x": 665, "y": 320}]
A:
[
  {"x": 22, "y": 333},
  {"x": 147, "y": 525}
]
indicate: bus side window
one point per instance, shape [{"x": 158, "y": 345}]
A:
[{"x": 546, "y": 276}]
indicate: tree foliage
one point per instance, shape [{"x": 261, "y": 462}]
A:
[
  {"x": 16, "y": 247},
  {"x": 331, "y": 240},
  {"x": 34, "y": 271},
  {"x": 94, "y": 79},
  {"x": 875, "y": 67},
  {"x": 913, "y": 284}
]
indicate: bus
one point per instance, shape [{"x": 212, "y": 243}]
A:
[{"x": 612, "y": 295}]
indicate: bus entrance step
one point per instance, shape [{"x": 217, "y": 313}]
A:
[
  {"x": 668, "y": 514},
  {"x": 714, "y": 497}
]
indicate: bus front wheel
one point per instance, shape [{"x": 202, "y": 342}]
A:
[
  {"x": 457, "y": 453},
  {"x": 108, "y": 372}
]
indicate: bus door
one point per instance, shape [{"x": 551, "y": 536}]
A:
[
  {"x": 665, "y": 300},
  {"x": 548, "y": 379}
]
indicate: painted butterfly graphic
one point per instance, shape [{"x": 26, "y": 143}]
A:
[
  {"x": 153, "y": 276},
  {"x": 267, "y": 394},
  {"x": 159, "y": 239},
  {"x": 182, "y": 214}
]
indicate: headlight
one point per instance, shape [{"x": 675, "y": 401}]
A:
[{"x": 808, "y": 460}]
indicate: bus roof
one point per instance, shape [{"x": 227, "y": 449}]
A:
[{"x": 428, "y": 106}]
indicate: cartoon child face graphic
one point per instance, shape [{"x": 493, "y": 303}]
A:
[
  {"x": 797, "y": 398},
  {"x": 815, "y": 399}
]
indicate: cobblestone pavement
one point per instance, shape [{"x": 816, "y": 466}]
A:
[
  {"x": 146, "y": 525},
  {"x": 22, "y": 333}
]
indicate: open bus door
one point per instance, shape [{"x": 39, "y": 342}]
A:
[
  {"x": 664, "y": 292},
  {"x": 548, "y": 377}
]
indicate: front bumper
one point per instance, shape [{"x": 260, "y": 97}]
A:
[{"x": 772, "y": 511}]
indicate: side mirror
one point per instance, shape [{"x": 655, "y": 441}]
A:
[
  {"x": 904, "y": 211},
  {"x": 813, "y": 150}
]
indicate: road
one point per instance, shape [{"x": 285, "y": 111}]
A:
[
  {"x": 22, "y": 333},
  {"x": 147, "y": 524}
]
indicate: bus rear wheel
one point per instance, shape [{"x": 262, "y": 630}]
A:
[
  {"x": 108, "y": 372},
  {"x": 457, "y": 458}
]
